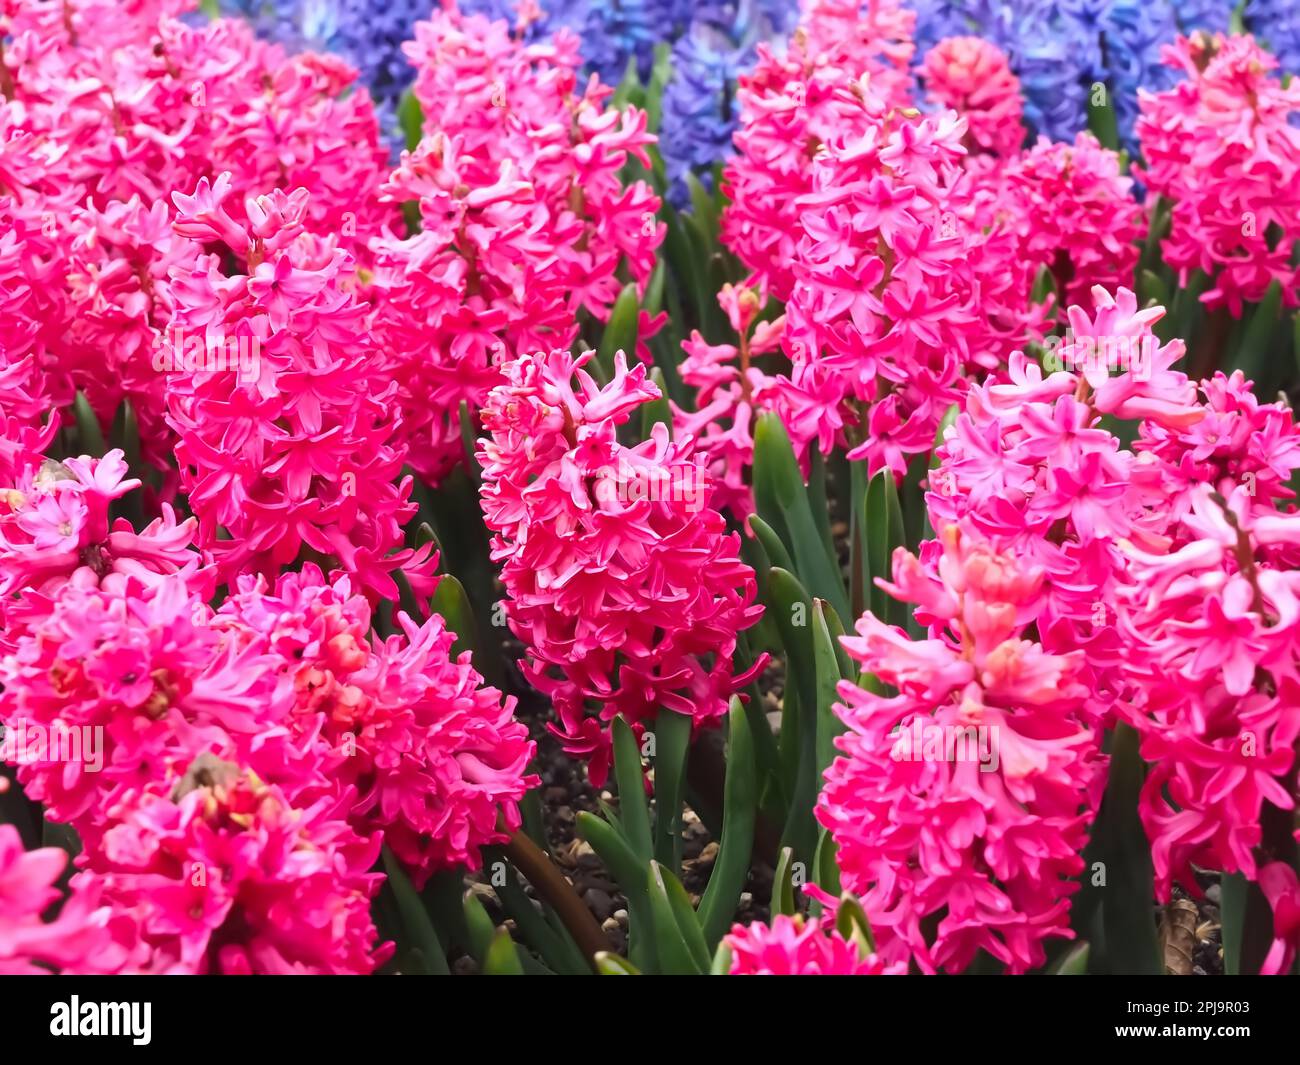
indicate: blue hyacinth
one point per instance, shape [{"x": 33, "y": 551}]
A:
[
  {"x": 1212, "y": 15},
  {"x": 700, "y": 109},
  {"x": 1060, "y": 49},
  {"x": 1134, "y": 33},
  {"x": 1277, "y": 24}
]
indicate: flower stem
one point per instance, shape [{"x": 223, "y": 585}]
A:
[{"x": 558, "y": 893}]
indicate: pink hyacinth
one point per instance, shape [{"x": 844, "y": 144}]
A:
[
  {"x": 844, "y": 68},
  {"x": 526, "y": 221},
  {"x": 1168, "y": 565},
  {"x": 106, "y": 111},
  {"x": 1221, "y": 148},
  {"x": 1282, "y": 889},
  {"x": 1030, "y": 466},
  {"x": 960, "y": 806},
  {"x": 117, "y": 686},
  {"x": 433, "y": 755},
  {"x": 731, "y": 392},
  {"x": 1075, "y": 216},
  {"x": 56, "y": 530},
  {"x": 292, "y": 447},
  {"x": 970, "y": 75},
  {"x": 172, "y": 103},
  {"x": 225, "y": 876},
  {"x": 624, "y": 584},
  {"x": 901, "y": 293},
  {"x": 797, "y": 946},
  {"x": 82, "y": 939},
  {"x": 119, "y": 263},
  {"x": 1213, "y": 617}
]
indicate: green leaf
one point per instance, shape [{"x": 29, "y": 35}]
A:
[
  {"x": 859, "y": 546},
  {"x": 615, "y": 965},
  {"x": 671, "y": 948},
  {"x": 818, "y": 501},
  {"x": 783, "y": 884},
  {"x": 1044, "y": 285},
  {"x": 452, "y": 604},
  {"x": 792, "y": 610},
  {"x": 657, "y": 411},
  {"x": 1247, "y": 925},
  {"x": 615, "y": 852},
  {"x": 826, "y": 871},
  {"x": 620, "y": 331},
  {"x": 731, "y": 868},
  {"x": 1102, "y": 121},
  {"x": 660, "y": 72},
  {"x": 410, "y": 117},
  {"x": 883, "y": 522},
  {"x": 685, "y": 267},
  {"x": 777, "y": 555},
  {"x": 633, "y": 809},
  {"x": 1185, "y": 310},
  {"x": 704, "y": 247},
  {"x": 1128, "y": 902},
  {"x": 1152, "y": 290},
  {"x": 672, "y": 742},
  {"x": 1074, "y": 962},
  {"x": 688, "y": 923},
  {"x": 781, "y": 499},
  {"x": 551, "y": 941},
  {"x": 827, "y": 666},
  {"x": 125, "y": 434},
  {"x": 481, "y": 929},
  {"x": 90, "y": 437},
  {"x": 1157, "y": 230},
  {"x": 630, "y": 872},
  {"x": 1252, "y": 354},
  {"x": 502, "y": 957},
  {"x": 851, "y": 922},
  {"x": 469, "y": 430},
  {"x": 654, "y": 290},
  {"x": 406, "y": 598},
  {"x": 702, "y": 207},
  {"x": 419, "y": 931},
  {"x": 629, "y": 90},
  {"x": 721, "y": 961}
]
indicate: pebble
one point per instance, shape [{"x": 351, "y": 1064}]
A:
[
  {"x": 1214, "y": 893},
  {"x": 600, "y": 902}
]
